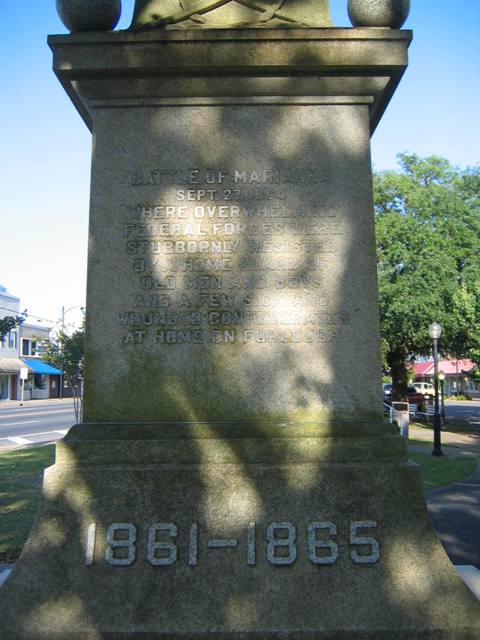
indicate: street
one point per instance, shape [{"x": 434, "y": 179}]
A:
[
  {"x": 469, "y": 410},
  {"x": 36, "y": 422}
]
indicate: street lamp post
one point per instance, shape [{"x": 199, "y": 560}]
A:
[
  {"x": 65, "y": 311},
  {"x": 435, "y": 331},
  {"x": 441, "y": 377}
]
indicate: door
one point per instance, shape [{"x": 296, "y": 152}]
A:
[
  {"x": 13, "y": 387},
  {"x": 54, "y": 387}
]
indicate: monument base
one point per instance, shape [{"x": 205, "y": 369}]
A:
[{"x": 286, "y": 532}]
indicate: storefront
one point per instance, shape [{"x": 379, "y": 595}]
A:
[
  {"x": 10, "y": 378},
  {"x": 457, "y": 381},
  {"x": 43, "y": 381},
  {"x": 4, "y": 386}
]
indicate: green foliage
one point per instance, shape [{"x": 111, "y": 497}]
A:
[
  {"x": 475, "y": 374},
  {"x": 66, "y": 352},
  {"x": 20, "y": 489},
  {"x": 428, "y": 236},
  {"x": 10, "y": 322}
]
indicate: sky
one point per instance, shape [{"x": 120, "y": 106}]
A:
[{"x": 45, "y": 147}]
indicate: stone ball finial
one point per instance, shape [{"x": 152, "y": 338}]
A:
[
  {"x": 378, "y": 13},
  {"x": 89, "y": 15}
]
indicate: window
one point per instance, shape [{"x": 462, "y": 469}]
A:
[
  {"x": 469, "y": 385},
  {"x": 12, "y": 339},
  {"x": 29, "y": 347},
  {"x": 40, "y": 381}
]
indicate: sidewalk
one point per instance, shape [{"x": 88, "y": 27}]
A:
[
  {"x": 468, "y": 442},
  {"x": 455, "y": 508},
  {"x": 15, "y": 404}
]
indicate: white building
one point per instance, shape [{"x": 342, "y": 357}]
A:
[
  {"x": 10, "y": 364},
  {"x": 21, "y": 349},
  {"x": 43, "y": 379}
]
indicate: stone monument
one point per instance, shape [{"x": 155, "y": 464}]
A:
[
  {"x": 233, "y": 476},
  {"x": 230, "y": 13}
]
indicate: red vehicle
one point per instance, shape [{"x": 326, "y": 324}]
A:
[{"x": 413, "y": 396}]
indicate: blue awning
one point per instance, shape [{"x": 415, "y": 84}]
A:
[{"x": 40, "y": 367}]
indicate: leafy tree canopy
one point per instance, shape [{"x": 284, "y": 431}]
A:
[
  {"x": 428, "y": 237},
  {"x": 66, "y": 352},
  {"x": 10, "y": 322}
]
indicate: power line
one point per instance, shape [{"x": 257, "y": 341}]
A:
[
  {"x": 27, "y": 315},
  {"x": 14, "y": 312},
  {"x": 33, "y": 315}
]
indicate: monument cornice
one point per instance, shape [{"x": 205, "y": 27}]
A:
[{"x": 96, "y": 67}]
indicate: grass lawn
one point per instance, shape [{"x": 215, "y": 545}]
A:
[
  {"x": 428, "y": 443},
  {"x": 20, "y": 487},
  {"x": 437, "y": 472}
]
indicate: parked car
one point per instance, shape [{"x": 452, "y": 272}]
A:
[
  {"x": 427, "y": 389},
  {"x": 415, "y": 396},
  {"x": 387, "y": 392}
]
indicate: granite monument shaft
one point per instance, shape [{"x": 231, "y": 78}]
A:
[{"x": 233, "y": 477}]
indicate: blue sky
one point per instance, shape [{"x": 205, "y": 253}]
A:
[{"x": 45, "y": 147}]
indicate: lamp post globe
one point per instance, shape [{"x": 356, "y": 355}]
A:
[{"x": 435, "y": 330}]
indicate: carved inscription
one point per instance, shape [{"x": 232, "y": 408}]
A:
[
  {"x": 229, "y": 256},
  {"x": 281, "y": 543}
]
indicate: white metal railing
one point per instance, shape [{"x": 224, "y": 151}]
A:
[
  {"x": 390, "y": 410},
  {"x": 400, "y": 417}
]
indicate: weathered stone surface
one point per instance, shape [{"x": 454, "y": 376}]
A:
[
  {"x": 89, "y": 15},
  {"x": 228, "y": 571},
  {"x": 230, "y": 13},
  {"x": 378, "y": 13},
  {"x": 232, "y": 266},
  {"x": 234, "y": 478},
  {"x": 245, "y": 302},
  {"x": 237, "y": 63}
]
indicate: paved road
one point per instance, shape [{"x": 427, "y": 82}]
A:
[
  {"x": 455, "y": 509},
  {"x": 36, "y": 422},
  {"x": 468, "y": 410},
  {"x": 455, "y": 513}
]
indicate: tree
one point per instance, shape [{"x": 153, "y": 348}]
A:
[
  {"x": 428, "y": 236},
  {"x": 11, "y": 322},
  {"x": 66, "y": 352}
]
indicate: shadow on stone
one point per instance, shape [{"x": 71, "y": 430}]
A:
[{"x": 233, "y": 477}]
